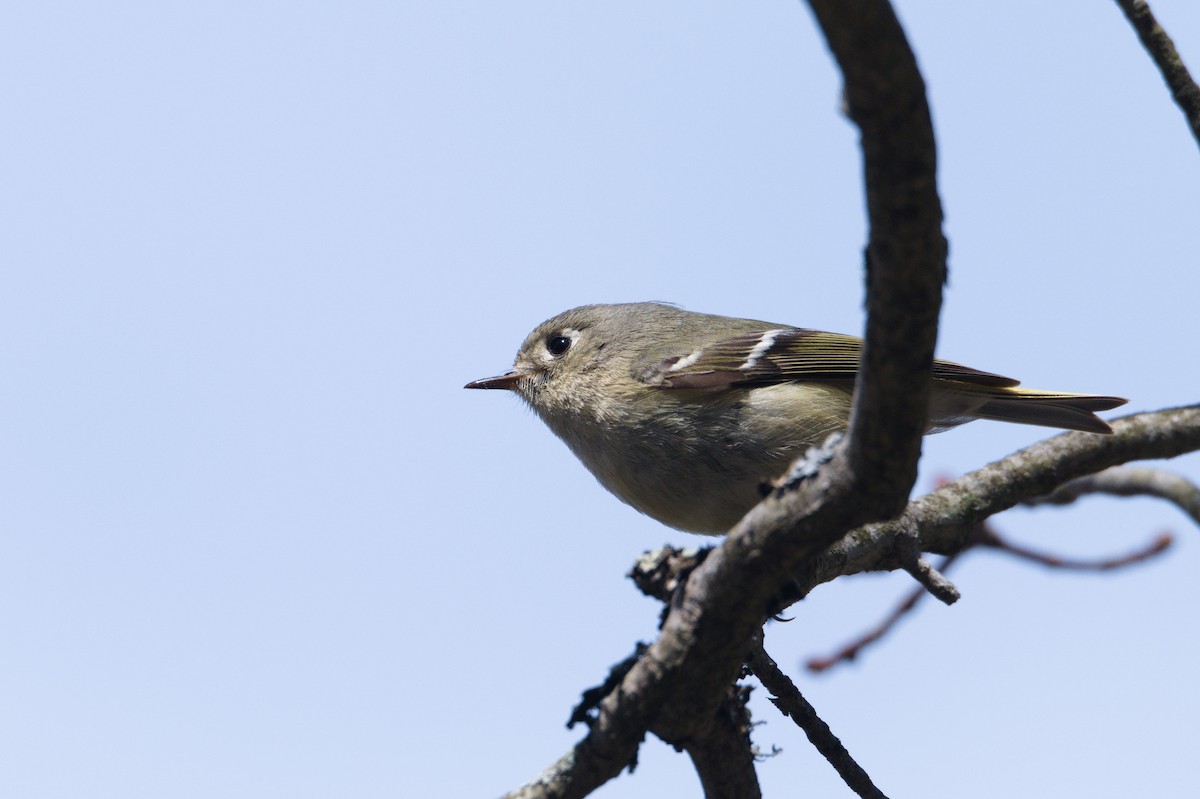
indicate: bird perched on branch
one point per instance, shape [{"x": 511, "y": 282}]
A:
[{"x": 686, "y": 415}]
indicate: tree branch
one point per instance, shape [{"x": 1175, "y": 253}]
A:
[
  {"x": 675, "y": 689},
  {"x": 1162, "y": 50},
  {"x": 985, "y": 535},
  {"x": 787, "y": 697},
  {"x": 1156, "y": 547},
  {"x": 723, "y": 754},
  {"x": 1129, "y": 482},
  {"x": 942, "y": 521},
  {"x": 945, "y": 519},
  {"x": 906, "y": 252},
  {"x": 851, "y": 650}
]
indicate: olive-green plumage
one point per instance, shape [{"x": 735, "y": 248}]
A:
[{"x": 685, "y": 415}]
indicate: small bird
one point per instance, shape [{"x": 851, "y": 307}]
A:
[{"x": 686, "y": 415}]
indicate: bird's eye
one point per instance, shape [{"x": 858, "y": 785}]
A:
[{"x": 557, "y": 345}]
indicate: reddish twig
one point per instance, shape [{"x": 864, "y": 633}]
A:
[
  {"x": 1156, "y": 547},
  {"x": 851, "y": 650},
  {"x": 985, "y": 536}
]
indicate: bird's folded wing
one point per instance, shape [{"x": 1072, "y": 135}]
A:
[{"x": 783, "y": 355}]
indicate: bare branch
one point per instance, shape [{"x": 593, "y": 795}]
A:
[
  {"x": 722, "y": 752},
  {"x": 933, "y": 581},
  {"x": 562, "y": 778},
  {"x": 906, "y": 253},
  {"x": 851, "y": 650},
  {"x": 908, "y": 555},
  {"x": 950, "y": 513},
  {"x": 791, "y": 703},
  {"x": 946, "y": 518},
  {"x": 1162, "y": 50},
  {"x": 985, "y": 535},
  {"x": 1156, "y": 547},
  {"x": 1129, "y": 481}
]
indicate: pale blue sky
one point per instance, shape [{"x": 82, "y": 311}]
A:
[{"x": 256, "y": 541}]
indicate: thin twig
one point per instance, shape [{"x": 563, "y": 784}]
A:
[
  {"x": 932, "y": 580},
  {"x": 851, "y": 650},
  {"x": 787, "y": 697},
  {"x": 985, "y": 535},
  {"x": 913, "y": 562},
  {"x": 1162, "y": 50},
  {"x": 1130, "y": 481},
  {"x": 1156, "y": 547}
]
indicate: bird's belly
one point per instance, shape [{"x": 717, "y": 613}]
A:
[{"x": 700, "y": 466}]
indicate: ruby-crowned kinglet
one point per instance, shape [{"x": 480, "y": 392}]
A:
[{"x": 685, "y": 415}]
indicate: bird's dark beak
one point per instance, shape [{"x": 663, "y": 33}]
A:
[{"x": 507, "y": 380}]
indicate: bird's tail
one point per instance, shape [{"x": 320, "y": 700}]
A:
[{"x": 1049, "y": 408}]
